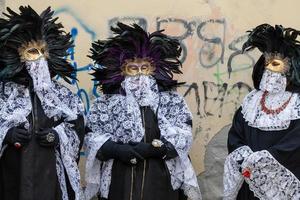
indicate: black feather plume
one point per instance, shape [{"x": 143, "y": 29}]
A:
[
  {"x": 278, "y": 40},
  {"x": 133, "y": 42},
  {"x": 18, "y": 29}
]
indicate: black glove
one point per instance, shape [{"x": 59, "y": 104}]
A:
[
  {"x": 122, "y": 152},
  {"x": 147, "y": 150},
  {"x": 17, "y": 135},
  {"x": 47, "y": 137},
  {"x": 171, "y": 151}
]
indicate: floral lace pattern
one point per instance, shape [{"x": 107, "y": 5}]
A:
[
  {"x": 252, "y": 111},
  {"x": 232, "y": 178},
  {"x": 270, "y": 180},
  {"x": 39, "y": 72},
  {"x": 60, "y": 170},
  {"x": 15, "y": 106},
  {"x": 69, "y": 148},
  {"x": 172, "y": 116},
  {"x": 141, "y": 89},
  {"x": 273, "y": 82},
  {"x": 257, "y": 118},
  {"x": 57, "y": 101},
  {"x": 118, "y": 118}
]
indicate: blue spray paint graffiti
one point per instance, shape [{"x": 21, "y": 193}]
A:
[{"x": 81, "y": 92}]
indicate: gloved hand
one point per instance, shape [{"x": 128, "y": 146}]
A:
[
  {"x": 17, "y": 135},
  {"x": 122, "y": 152},
  {"x": 47, "y": 137},
  {"x": 171, "y": 151},
  {"x": 147, "y": 150}
]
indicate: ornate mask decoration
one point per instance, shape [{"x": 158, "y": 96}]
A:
[
  {"x": 138, "y": 66},
  {"x": 276, "y": 63},
  {"x": 33, "y": 51}
]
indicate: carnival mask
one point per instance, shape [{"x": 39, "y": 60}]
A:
[
  {"x": 33, "y": 50},
  {"x": 138, "y": 66},
  {"x": 276, "y": 63},
  {"x": 274, "y": 77}
]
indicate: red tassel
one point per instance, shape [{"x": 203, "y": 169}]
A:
[{"x": 246, "y": 173}]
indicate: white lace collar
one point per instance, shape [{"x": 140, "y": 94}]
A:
[{"x": 257, "y": 118}]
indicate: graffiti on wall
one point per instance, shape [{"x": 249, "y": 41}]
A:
[
  {"x": 212, "y": 65},
  {"x": 210, "y": 54}
]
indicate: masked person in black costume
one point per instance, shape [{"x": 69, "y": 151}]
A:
[
  {"x": 141, "y": 130},
  {"x": 263, "y": 142},
  {"x": 41, "y": 121}
]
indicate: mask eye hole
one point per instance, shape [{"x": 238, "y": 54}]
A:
[
  {"x": 133, "y": 67},
  {"x": 33, "y": 51},
  {"x": 144, "y": 67},
  {"x": 275, "y": 63},
  {"x": 137, "y": 66},
  {"x": 277, "y": 66}
]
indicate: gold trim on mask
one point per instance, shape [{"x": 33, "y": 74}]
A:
[
  {"x": 33, "y": 50},
  {"x": 277, "y": 63},
  {"x": 138, "y": 66}
]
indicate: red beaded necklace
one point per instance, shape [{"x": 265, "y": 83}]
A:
[{"x": 272, "y": 111}]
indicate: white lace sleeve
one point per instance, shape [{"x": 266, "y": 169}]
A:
[
  {"x": 269, "y": 180},
  {"x": 3, "y": 128},
  {"x": 233, "y": 179},
  {"x": 57, "y": 102},
  {"x": 66, "y": 157},
  {"x": 173, "y": 117},
  {"x": 15, "y": 106},
  {"x": 93, "y": 142}
]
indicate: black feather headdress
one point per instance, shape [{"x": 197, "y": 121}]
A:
[
  {"x": 131, "y": 42},
  {"x": 276, "y": 40},
  {"x": 27, "y": 27}
]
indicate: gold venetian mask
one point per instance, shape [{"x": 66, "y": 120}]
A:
[
  {"x": 33, "y": 50},
  {"x": 276, "y": 63},
  {"x": 138, "y": 66}
]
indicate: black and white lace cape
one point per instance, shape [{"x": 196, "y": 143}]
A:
[
  {"x": 115, "y": 117},
  {"x": 57, "y": 101}
]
